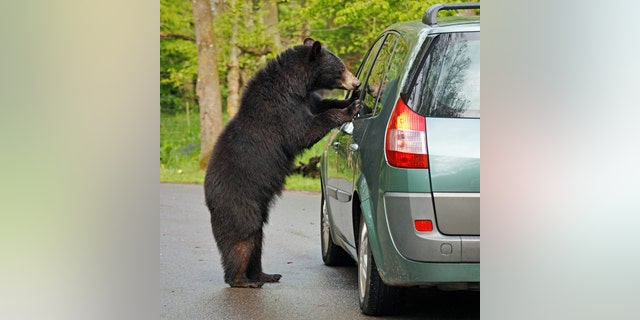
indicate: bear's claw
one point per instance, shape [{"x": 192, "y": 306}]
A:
[
  {"x": 270, "y": 277},
  {"x": 354, "y": 108}
]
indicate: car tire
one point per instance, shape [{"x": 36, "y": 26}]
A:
[
  {"x": 376, "y": 298},
  {"x": 332, "y": 255}
]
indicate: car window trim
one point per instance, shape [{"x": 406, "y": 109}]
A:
[{"x": 385, "y": 35}]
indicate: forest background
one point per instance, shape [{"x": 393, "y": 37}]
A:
[{"x": 198, "y": 97}]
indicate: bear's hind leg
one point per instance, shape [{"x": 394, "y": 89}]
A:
[
  {"x": 254, "y": 271},
  {"x": 236, "y": 264}
]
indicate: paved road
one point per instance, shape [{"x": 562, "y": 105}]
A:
[{"x": 192, "y": 287}]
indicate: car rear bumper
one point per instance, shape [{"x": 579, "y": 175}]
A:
[
  {"x": 399, "y": 271},
  {"x": 406, "y": 257},
  {"x": 402, "y": 209}
]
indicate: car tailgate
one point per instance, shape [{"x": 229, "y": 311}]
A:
[{"x": 453, "y": 145}]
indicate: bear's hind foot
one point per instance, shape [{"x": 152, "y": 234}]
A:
[
  {"x": 264, "y": 277},
  {"x": 246, "y": 284}
]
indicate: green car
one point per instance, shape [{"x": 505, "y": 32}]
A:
[{"x": 401, "y": 182}]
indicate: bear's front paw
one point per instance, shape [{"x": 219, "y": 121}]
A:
[
  {"x": 355, "y": 95},
  {"x": 353, "y": 109}
]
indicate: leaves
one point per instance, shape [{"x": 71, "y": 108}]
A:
[
  {"x": 176, "y": 17},
  {"x": 178, "y": 55},
  {"x": 345, "y": 27}
]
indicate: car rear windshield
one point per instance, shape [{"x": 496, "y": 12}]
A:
[{"x": 447, "y": 83}]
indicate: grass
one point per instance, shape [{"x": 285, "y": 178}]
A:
[{"x": 180, "y": 148}]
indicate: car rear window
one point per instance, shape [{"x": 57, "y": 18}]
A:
[{"x": 448, "y": 81}]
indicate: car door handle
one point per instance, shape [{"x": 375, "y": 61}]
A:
[
  {"x": 336, "y": 145},
  {"x": 354, "y": 147}
]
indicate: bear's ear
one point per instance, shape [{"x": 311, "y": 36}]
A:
[
  {"x": 308, "y": 42},
  {"x": 316, "y": 50}
]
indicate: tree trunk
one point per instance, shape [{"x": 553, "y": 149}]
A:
[
  {"x": 271, "y": 21},
  {"x": 208, "y": 84},
  {"x": 233, "y": 74},
  {"x": 247, "y": 15}
]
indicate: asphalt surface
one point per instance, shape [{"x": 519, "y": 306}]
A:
[{"x": 191, "y": 278}]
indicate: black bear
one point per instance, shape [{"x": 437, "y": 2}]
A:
[{"x": 280, "y": 115}]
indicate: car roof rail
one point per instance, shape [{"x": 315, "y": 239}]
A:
[{"x": 431, "y": 15}]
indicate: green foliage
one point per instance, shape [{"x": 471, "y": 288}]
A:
[
  {"x": 346, "y": 27},
  {"x": 256, "y": 45},
  {"x": 176, "y": 17},
  {"x": 170, "y": 100},
  {"x": 178, "y": 56},
  {"x": 349, "y": 27},
  {"x": 298, "y": 182},
  {"x": 179, "y": 139}
]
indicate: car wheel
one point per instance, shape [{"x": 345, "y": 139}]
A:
[
  {"x": 376, "y": 298},
  {"x": 332, "y": 255}
]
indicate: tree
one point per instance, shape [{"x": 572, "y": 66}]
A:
[
  {"x": 208, "y": 84},
  {"x": 349, "y": 27},
  {"x": 248, "y": 33},
  {"x": 178, "y": 56},
  {"x": 245, "y": 41},
  {"x": 271, "y": 22},
  {"x": 233, "y": 75}
]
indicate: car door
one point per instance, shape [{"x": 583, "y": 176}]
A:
[
  {"x": 352, "y": 135},
  {"x": 339, "y": 184}
]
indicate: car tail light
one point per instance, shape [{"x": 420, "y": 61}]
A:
[
  {"x": 406, "y": 143},
  {"x": 423, "y": 225}
]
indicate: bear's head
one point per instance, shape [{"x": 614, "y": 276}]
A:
[{"x": 328, "y": 71}]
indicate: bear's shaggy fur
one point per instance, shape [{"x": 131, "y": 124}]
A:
[{"x": 280, "y": 115}]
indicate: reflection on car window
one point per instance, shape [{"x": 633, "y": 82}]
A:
[
  {"x": 363, "y": 72},
  {"x": 375, "y": 82},
  {"x": 448, "y": 85},
  {"x": 393, "y": 71}
]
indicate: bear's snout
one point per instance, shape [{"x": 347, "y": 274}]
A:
[{"x": 350, "y": 82}]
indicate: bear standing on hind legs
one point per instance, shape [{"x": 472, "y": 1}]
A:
[{"x": 280, "y": 115}]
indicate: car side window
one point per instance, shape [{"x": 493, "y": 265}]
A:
[
  {"x": 376, "y": 81},
  {"x": 391, "y": 76},
  {"x": 365, "y": 67}
]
